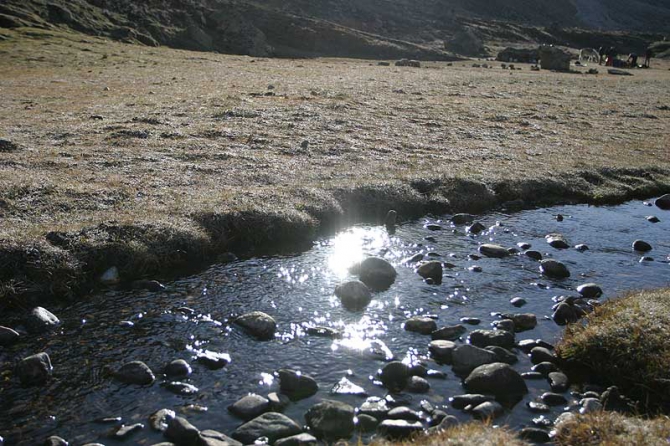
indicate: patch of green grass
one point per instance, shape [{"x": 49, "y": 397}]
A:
[{"x": 625, "y": 343}]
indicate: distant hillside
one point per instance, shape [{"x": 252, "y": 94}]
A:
[{"x": 348, "y": 28}]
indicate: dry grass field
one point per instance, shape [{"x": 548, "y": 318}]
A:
[{"x": 151, "y": 158}]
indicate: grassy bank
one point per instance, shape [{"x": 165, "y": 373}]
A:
[
  {"x": 625, "y": 341},
  {"x": 157, "y": 161}
]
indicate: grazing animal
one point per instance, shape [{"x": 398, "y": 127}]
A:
[{"x": 589, "y": 55}]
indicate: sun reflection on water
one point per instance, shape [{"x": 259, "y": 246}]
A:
[{"x": 352, "y": 246}]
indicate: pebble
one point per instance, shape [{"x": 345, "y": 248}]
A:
[
  {"x": 496, "y": 379},
  {"x": 557, "y": 241},
  {"x": 536, "y": 407},
  {"x": 535, "y": 255},
  {"x": 532, "y": 375},
  {"x": 394, "y": 376},
  {"x": 7, "y": 336},
  {"x": 375, "y": 407},
  {"x": 554, "y": 269},
  {"x": 324, "y": 332},
  {"x": 545, "y": 368},
  {"x": 442, "y": 351},
  {"x": 212, "y": 360},
  {"x": 330, "y": 420},
  {"x": 553, "y": 399},
  {"x": 485, "y": 338},
  {"x": 590, "y": 290},
  {"x": 135, "y": 372},
  {"x": 177, "y": 369},
  {"x": 653, "y": 219},
  {"x": 40, "y": 320},
  {"x": 460, "y": 402},
  {"x": 180, "y": 388},
  {"x": 296, "y": 385},
  {"x": 542, "y": 354},
  {"x": 180, "y": 431},
  {"x": 450, "y": 333},
  {"x": 558, "y": 382},
  {"x": 125, "y": 432},
  {"x": 260, "y": 325},
  {"x": 641, "y": 246},
  {"x": 581, "y": 247},
  {"x": 431, "y": 270},
  {"x": 51, "y": 441},
  {"x": 503, "y": 355},
  {"x": 475, "y": 269},
  {"x": 493, "y": 251},
  {"x": 421, "y": 325},
  {"x": 346, "y": 387},
  {"x": 504, "y": 324},
  {"x": 159, "y": 420},
  {"x": 377, "y": 273},
  {"x": 470, "y": 320},
  {"x": 475, "y": 228},
  {"x": 110, "y": 277},
  {"x": 564, "y": 314},
  {"x": 462, "y": 219},
  {"x": 663, "y": 202},
  {"x": 524, "y": 245},
  {"x": 366, "y": 423},
  {"x": 433, "y": 227},
  {"x": 518, "y": 302},
  {"x": 404, "y": 413},
  {"x": 303, "y": 439},
  {"x": 416, "y": 384},
  {"x": 398, "y": 429},
  {"x": 271, "y": 425},
  {"x": 488, "y": 410},
  {"x": 590, "y": 405}
]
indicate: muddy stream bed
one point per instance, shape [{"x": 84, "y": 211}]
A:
[{"x": 111, "y": 328}]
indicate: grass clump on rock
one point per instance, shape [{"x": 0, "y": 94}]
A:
[
  {"x": 612, "y": 429},
  {"x": 625, "y": 343},
  {"x": 479, "y": 434}
]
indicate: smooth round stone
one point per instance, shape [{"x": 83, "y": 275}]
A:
[
  {"x": 391, "y": 218},
  {"x": 51, "y": 441},
  {"x": 346, "y": 387},
  {"x": 475, "y": 269},
  {"x": 377, "y": 273},
  {"x": 467, "y": 357},
  {"x": 488, "y": 410},
  {"x": 536, "y": 407},
  {"x": 460, "y": 402},
  {"x": 532, "y": 375},
  {"x": 565, "y": 314},
  {"x": 278, "y": 401},
  {"x": 663, "y": 202},
  {"x": 303, "y": 439},
  {"x": 433, "y": 227},
  {"x": 494, "y": 251},
  {"x": 249, "y": 407},
  {"x": 160, "y": 419},
  {"x": 7, "y": 336},
  {"x": 394, "y": 376},
  {"x": 177, "y": 369},
  {"x": 398, "y": 429},
  {"x": 403, "y": 413},
  {"x": 641, "y": 246},
  {"x": 366, "y": 423},
  {"x": 180, "y": 431},
  {"x": 354, "y": 295},
  {"x": 475, "y": 228},
  {"x": 518, "y": 302},
  {"x": 125, "y": 432},
  {"x": 40, "y": 320},
  {"x": 503, "y": 355},
  {"x": 504, "y": 324},
  {"x": 210, "y": 437},
  {"x": 212, "y": 360},
  {"x": 375, "y": 407},
  {"x": 557, "y": 241},
  {"x": 462, "y": 219},
  {"x": 414, "y": 259},
  {"x": 553, "y": 399},
  {"x": 180, "y": 388},
  {"x": 524, "y": 245},
  {"x": 470, "y": 320},
  {"x": 135, "y": 372},
  {"x": 416, "y": 384},
  {"x": 271, "y": 425},
  {"x": 581, "y": 247},
  {"x": 331, "y": 420},
  {"x": 450, "y": 333},
  {"x": 485, "y": 338},
  {"x": 522, "y": 321},
  {"x": 554, "y": 269},
  {"x": 590, "y": 405},
  {"x": 545, "y": 368},
  {"x": 324, "y": 332},
  {"x": 558, "y": 381},
  {"x": 653, "y": 219},
  {"x": 431, "y": 270},
  {"x": 496, "y": 379},
  {"x": 590, "y": 290},
  {"x": 260, "y": 325},
  {"x": 296, "y": 385},
  {"x": 442, "y": 351},
  {"x": 541, "y": 354},
  {"x": 421, "y": 325},
  {"x": 535, "y": 255}
]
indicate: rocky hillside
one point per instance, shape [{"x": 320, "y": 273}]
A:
[{"x": 353, "y": 28}]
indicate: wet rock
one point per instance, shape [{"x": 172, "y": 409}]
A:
[
  {"x": 374, "y": 407},
  {"x": 524, "y": 245},
  {"x": 504, "y": 324},
  {"x": 475, "y": 269},
  {"x": 180, "y": 388},
  {"x": 181, "y": 432},
  {"x": 398, "y": 429},
  {"x": 466, "y": 358},
  {"x": 503, "y": 355},
  {"x": 212, "y": 360},
  {"x": 433, "y": 227},
  {"x": 532, "y": 375},
  {"x": 278, "y": 401},
  {"x": 653, "y": 219},
  {"x": 518, "y": 302},
  {"x": 390, "y": 220},
  {"x": 581, "y": 247},
  {"x": 421, "y": 325},
  {"x": 414, "y": 259},
  {"x": 249, "y": 407},
  {"x": 296, "y": 385},
  {"x": 213, "y": 438},
  {"x": 394, "y": 376},
  {"x": 177, "y": 369},
  {"x": 377, "y": 273},
  {"x": 331, "y": 420},
  {"x": 590, "y": 405},
  {"x": 135, "y": 372},
  {"x": 590, "y": 290},
  {"x": 476, "y": 228},
  {"x": 542, "y": 354},
  {"x": 346, "y": 387},
  {"x": 535, "y": 255},
  {"x": 485, "y": 338},
  {"x": 534, "y": 434},
  {"x": 496, "y": 379},
  {"x": 545, "y": 368},
  {"x": 125, "y": 432},
  {"x": 271, "y": 425},
  {"x": 522, "y": 321},
  {"x": 565, "y": 314},
  {"x": 536, "y": 407},
  {"x": 663, "y": 202},
  {"x": 52, "y": 441},
  {"x": 416, "y": 384},
  {"x": 450, "y": 333},
  {"x": 7, "y": 336},
  {"x": 150, "y": 285},
  {"x": 542, "y": 421},
  {"x": 403, "y": 413},
  {"x": 40, "y": 320},
  {"x": 366, "y": 423},
  {"x": 297, "y": 440},
  {"x": 447, "y": 422},
  {"x": 641, "y": 246},
  {"x": 431, "y": 270},
  {"x": 554, "y": 269},
  {"x": 160, "y": 419},
  {"x": 324, "y": 332},
  {"x": 612, "y": 399},
  {"x": 460, "y": 402},
  {"x": 354, "y": 295},
  {"x": 442, "y": 351},
  {"x": 553, "y": 399},
  {"x": 488, "y": 410},
  {"x": 470, "y": 320},
  {"x": 557, "y": 241},
  {"x": 462, "y": 219},
  {"x": 110, "y": 277},
  {"x": 558, "y": 382},
  {"x": 260, "y": 325},
  {"x": 494, "y": 251}
]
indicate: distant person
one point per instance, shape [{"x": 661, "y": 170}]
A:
[
  {"x": 632, "y": 60},
  {"x": 601, "y": 55},
  {"x": 647, "y": 57}
]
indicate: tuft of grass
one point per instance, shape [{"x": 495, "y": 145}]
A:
[
  {"x": 467, "y": 434},
  {"x": 625, "y": 343},
  {"x": 612, "y": 429}
]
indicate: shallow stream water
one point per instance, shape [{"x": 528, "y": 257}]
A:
[{"x": 297, "y": 290}]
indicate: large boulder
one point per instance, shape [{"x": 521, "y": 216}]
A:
[
  {"x": 466, "y": 358},
  {"x": 377, "y": 273},
  {"x": 552, "y": 58},
  {"x": 295, "y": 385},
  {"x": 271, "y": 425},
  {"x": 258, "y": 324},
  {"x": 34, "y": 370},
  {"x": 497, "y": 379},
  {"x": 331, "y": 420},
  {"x": 354, "y": 295}
]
